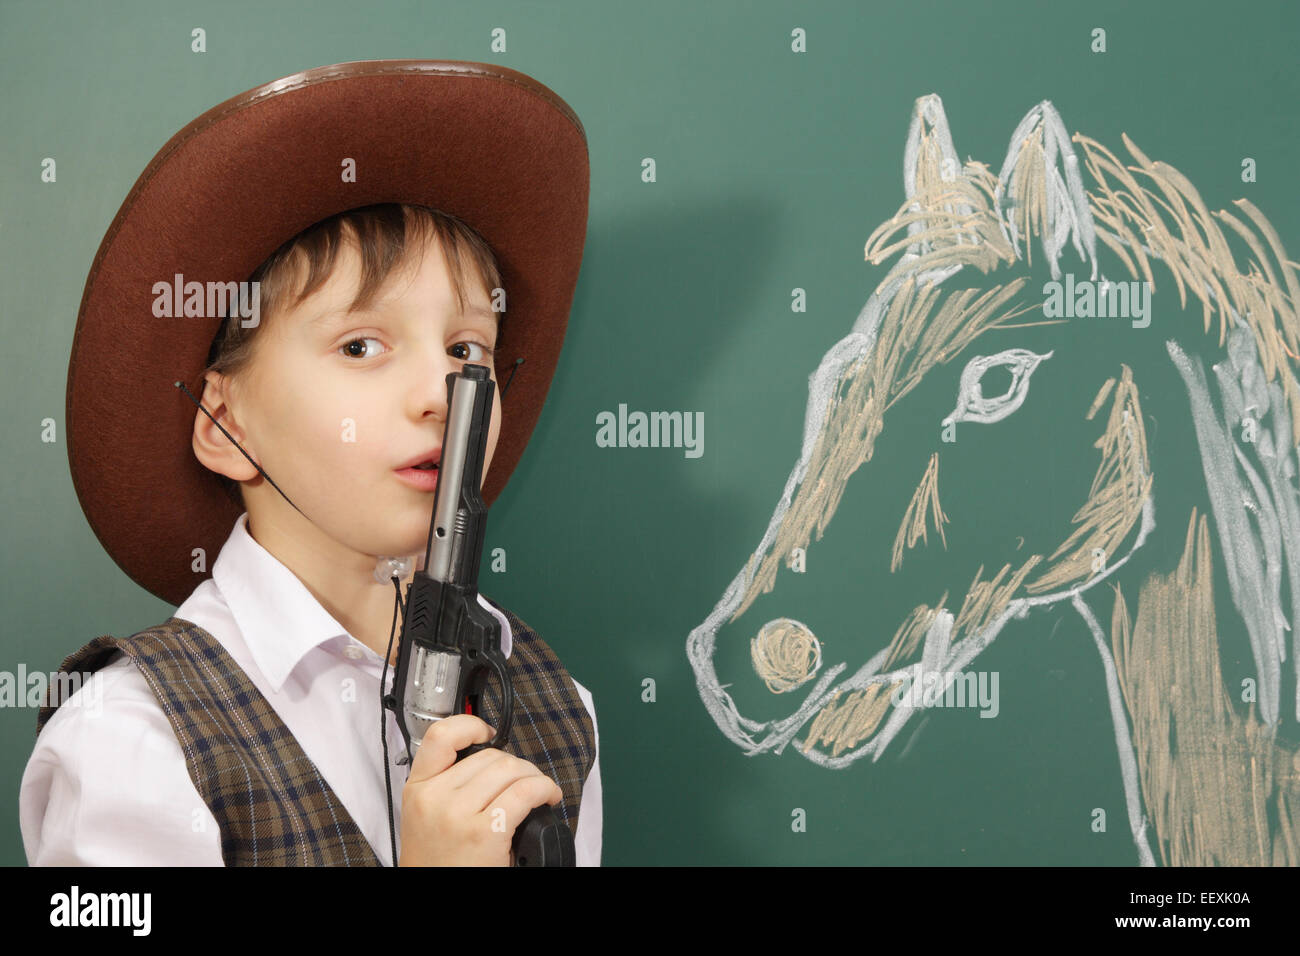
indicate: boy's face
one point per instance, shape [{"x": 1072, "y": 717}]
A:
[{"x": 335, "y": 403}]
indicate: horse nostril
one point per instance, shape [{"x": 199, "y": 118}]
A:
[{"x": 786, "y": 654}]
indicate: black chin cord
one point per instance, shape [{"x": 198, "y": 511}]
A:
[
  {"x": 181, "y": 386},
  {"x": 387, "y": 701}
]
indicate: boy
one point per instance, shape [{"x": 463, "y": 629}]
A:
[{"x": 242, "y": 730}]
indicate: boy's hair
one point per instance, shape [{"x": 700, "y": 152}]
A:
[{"x": 384, "y": 234}]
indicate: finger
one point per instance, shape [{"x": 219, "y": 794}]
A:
[
  {"x": 485, "y": 786},
  {"x": 512, "y": 805},
  {"x": 460, "y": 774},
  {"x": 443, "y": 740}
]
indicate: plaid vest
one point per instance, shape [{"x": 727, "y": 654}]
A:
[{"x": 273, "y": 806}]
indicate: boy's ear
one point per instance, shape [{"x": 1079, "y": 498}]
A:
[{"x": 214, "y": 450}]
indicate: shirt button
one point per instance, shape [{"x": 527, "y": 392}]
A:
[{"x": 353, "y": 652}]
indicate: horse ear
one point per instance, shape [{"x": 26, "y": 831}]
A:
[
  {"x": 929, "y": 154},
  {"x": 929, "y": 158},
  {"x": 948, "y": 212},
  {"x": 1040, "y": 184}
]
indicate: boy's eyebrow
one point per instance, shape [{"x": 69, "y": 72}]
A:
[
  {"x": 484, "y": 313},
  {"x": 331, "y": 317}
]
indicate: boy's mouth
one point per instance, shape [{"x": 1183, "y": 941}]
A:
[
  {"x": 425, "y": 461},
  {"x": 421, "y": 471}
]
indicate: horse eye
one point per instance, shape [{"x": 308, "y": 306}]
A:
[{"x": 973, "y": 406}]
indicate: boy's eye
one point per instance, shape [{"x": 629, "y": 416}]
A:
[
  {"x": 348, "y": 350},
  {"x": 471, "y": 352}
]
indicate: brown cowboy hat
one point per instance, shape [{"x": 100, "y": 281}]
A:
[{"x": 484, "y": 143}]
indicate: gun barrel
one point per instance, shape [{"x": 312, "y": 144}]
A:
[{"x": 447, "y": 534}]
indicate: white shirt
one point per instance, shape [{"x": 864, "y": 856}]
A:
[{"x": 107, "y": 784}]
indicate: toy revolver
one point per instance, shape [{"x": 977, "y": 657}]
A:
[{"x": 451, "y": 644}]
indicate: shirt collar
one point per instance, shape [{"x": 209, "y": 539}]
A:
[{"x": 280, "y": 619}]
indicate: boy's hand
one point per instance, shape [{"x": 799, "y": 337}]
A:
[{"x": 449, "y": 808}]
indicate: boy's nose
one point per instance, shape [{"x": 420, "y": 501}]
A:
[{"x": 429, "y": 387}]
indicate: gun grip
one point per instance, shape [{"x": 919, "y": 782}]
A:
[{"x": 543, "y": 839}]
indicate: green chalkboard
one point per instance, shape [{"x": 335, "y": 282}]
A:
[{"x": 844, "y": 281}]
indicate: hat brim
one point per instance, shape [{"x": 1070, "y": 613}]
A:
[{"x": 487, "y": 144}]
